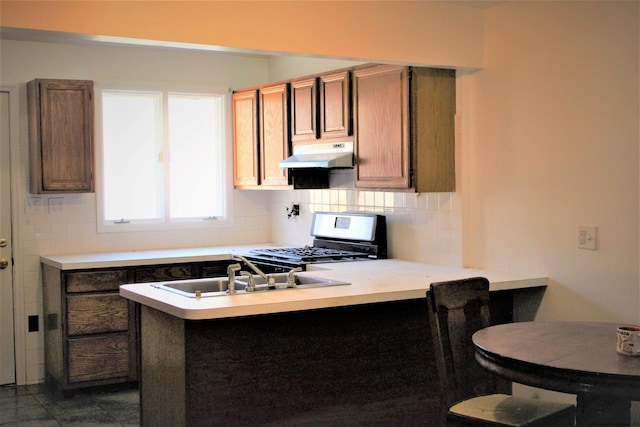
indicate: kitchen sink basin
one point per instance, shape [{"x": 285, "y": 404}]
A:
[
  {"x": 199, "y": 287},
  {"x": 202, "y": 288},
  {"x": 301, "y": 282}
]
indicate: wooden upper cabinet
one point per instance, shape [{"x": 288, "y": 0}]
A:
[
  {"x": 274, "y": 134},
  {"x": 335, "y": 105},
  {"x": 61, "y": 126},
  {"x": 433, "y": 111},
  {"x": 381, "y": 127},
  {"x": 245, "y": 138},
  {"x": 404, "y": 128},
  {"x": 321, "y": 107},
  {"x": 304, "y": 111}
]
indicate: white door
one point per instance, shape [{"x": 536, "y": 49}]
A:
[{"x": 7, "y": 345}]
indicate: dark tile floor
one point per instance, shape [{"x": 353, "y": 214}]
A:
[{"x": 36, "y": 406}]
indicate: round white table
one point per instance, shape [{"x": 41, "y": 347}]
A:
[{"x": 572, "y": 357}]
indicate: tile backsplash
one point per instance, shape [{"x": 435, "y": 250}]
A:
[{"x": 420, "y": 227}]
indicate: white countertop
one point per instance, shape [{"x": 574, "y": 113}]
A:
[
  {"x": 371, "y": 282},
  {"x": 155, "y": 257}
]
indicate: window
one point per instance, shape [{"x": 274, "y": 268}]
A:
[{"x": 162, "y": 160}]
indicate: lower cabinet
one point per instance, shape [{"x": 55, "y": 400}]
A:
[
  {"x": 99, "y": 358},
  {"x": 91, "y": 332}
]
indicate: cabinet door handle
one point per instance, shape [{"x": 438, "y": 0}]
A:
[{"x": 3, "y": 263}]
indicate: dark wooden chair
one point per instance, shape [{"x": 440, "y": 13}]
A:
[{"x": 456, "y": 310}]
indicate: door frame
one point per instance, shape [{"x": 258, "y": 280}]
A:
[{"x": 19, "y": 321}]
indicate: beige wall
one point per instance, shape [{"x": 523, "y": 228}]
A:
[{"x": 553, "y": 145}]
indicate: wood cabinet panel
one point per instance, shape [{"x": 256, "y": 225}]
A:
[
  {"x": 404, "y": 128},
  {"x": 433, "y": 109},
  {"x": 160, "y": 273},
  {"x": 96, "y": 280},
  {"x": 321, "y": 107},
  {"x": 274, "y": 134},
  {"x": 98, "y": 358},
  {"x": 54, "y": 340},
  {"x": 304, "y": 117},
  {"x": 61, "y": 123},
  {"x": 381, "y": 127},
  {"x": 94, "y": 314},
  {"x": 214, "y": 270},
  {"x": 245, "y": 138},
  {"x": 335, "y": 105}
]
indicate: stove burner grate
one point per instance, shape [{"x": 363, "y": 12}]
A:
[{"x": 308, "y": 253}]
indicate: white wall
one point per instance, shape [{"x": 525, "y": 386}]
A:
[
  {"x": 75, "y": 231},
  {"x": 554, "y": 144}
]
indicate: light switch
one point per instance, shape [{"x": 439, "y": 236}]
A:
[
  {"x": 587, "y": 237},
  {"x": 34, "y": 205}
]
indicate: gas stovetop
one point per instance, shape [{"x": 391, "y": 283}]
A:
[
  {"x": 309, "y": 253},
  {"x": 337, "y": 237}
]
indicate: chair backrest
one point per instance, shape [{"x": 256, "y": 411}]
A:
[{"x": 456, "y": 310}]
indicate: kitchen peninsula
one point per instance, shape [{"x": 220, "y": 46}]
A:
[{"x": 355, "y": 353}]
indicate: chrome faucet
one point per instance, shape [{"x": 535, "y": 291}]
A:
[
  {"x": 251, "y": 284},
  {"x": 271, "y": 281},
  {"x": 231, "y": 272},
  {"x": 291, "y": 278}
]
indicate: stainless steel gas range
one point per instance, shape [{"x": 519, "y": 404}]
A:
[{"x": 338, "y": 237}]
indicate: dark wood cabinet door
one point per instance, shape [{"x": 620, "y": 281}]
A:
[
  {"x": 99, "y": 357},
  {"x": 61, "y": 126},
  {"x": 304, "y": 101},
  {"x": 245, "y": 139},
  {"x": 97, "y": 313},
  {"x": 335, "y": 105},
  {"x": 161, "y": 273},
  {"x": 381, "y": 127},
  {"x": 274, "y": 134},
  {"x": 214, "y": 269},
  {"x": 96, "y": 280}
]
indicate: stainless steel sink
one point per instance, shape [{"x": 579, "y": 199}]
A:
[
  {"x": 202, "y": 288},
  {"x": 199, "y": 287},
  {"x": 301, "y": 282}
]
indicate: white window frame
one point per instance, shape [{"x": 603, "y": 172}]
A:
[{"x": 225, "y": 221}]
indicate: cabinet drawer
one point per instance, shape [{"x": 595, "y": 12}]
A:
[
  {"x": 98, "y": 358},
  {"x": 88, "y": 281},
  {"x": 93, "y": 314},
  {"x": 214, "y": 270},
  {"x": 161, "y": 273}
]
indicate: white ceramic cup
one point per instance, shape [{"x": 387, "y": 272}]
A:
[{"x": 628, "y": 342}]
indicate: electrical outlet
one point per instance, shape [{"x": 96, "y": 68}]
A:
[
  {"x": 33, "y": 323},
  {"x": 56, "y": 205},
  {"x": 294, "y": 211},
  {"x": 587, "y": 237}
]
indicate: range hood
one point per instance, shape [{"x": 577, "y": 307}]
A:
[{"x": 322, "y": 156}]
